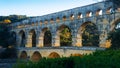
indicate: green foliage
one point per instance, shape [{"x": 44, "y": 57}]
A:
[
  {"x": 115, "y": 38},
  {"x": 65, "y": 37},
  {"x": 12, "y": 18},
  {"x": 99, "y": 59}
]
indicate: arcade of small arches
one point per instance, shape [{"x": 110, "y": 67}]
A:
[
  {"x": 45, "y": 37},
  {"x": 37, "y": 37},
  {"x": 37, "y": 56}
]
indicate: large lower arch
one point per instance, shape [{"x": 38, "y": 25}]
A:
[
  {"x": 115, "y": 24},
  {"x": 88, "y": 35},
  {"x": 23, "y": 55},
  {"x": 45, "y": 38},
  {"x": 32, "y": 38},
  {"x": 36, "y": 56},
  {"x": 54, "y": 55},
  {"x": 22, "y": 38},
  {"x": 115, "y": 27},
  {"x": 63, "y": 36}
]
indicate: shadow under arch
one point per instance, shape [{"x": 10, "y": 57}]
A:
[
  {"x": 47, "y": 37},
  {"x": 32, "y": 34},
  {"x": 36, "y": 56},
  {"x": 64, "y": 36},
  {"x": 22, "y": 38},
  {"x": 23, "y": 55},
  {"x": 114, "y": 24},
  {"x": 54, "y": 55},
  {"x": 88, "y": 34}
]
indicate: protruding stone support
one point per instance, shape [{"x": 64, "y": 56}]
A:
[
  {"x": 37, "y": 40},
  {"x": 41, "y": 43},
  {"x": 29, "y": 41},
  {"x": 41, "y": 40},
  {"x": 104, "y": 42},
  {"x": 56, "y": 41},
  {"x": 78, "y": 41}
]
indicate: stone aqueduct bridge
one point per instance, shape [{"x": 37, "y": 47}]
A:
[{"x": 101, "y": 14}]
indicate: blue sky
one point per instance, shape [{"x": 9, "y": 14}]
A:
[{"x": 39, "y": 7}]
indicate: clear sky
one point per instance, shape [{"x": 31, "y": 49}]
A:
[{"x": 39, "y": 7}]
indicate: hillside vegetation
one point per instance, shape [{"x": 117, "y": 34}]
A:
[{"x": 12, "y": 18}]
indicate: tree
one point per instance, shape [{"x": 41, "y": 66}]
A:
[
  {"x": 7, "y": 21},
  {"x": 65, "y": 37}
]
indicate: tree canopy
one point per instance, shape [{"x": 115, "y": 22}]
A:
[{"x": 12, "y": 18}]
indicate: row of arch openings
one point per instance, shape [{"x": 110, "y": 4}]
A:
[
  {"x": 87, "y": 33},
  {"x": 36, "y": 56}
]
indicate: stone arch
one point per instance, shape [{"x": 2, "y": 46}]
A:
[
  {"x": 114, "y": 23},
  {"x": 46, "y": 21},
  {"x": 36, "y": 56},
  {"x": 43, "y": 37},
  {"x": 51, "y": 20},
  {"x": 59, "y": 36},
  {"x": 22, "y": 38},
  {"x": 54, "y": 55},
  {"x": 41, "y": 22},
  {"x": 47, "y": 38},
  {"x": 58, "y": 19},
  {"x": 32, "y": 38},
  {"x": 80, "y": 15},
  {"x": 64, "y": 18},
  {"x": 98, "y": 12},
  {"x": 109, "y": 10},
  {"x": 89, "y": 14},
  {"x": 23, "y": 55},
  {"x": 76, "y": 54},
  {"x": 72, "y": 17},
  {"x": 80, "y": 36}
]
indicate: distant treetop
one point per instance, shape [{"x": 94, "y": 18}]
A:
[{"x": 12, "y": 18}]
